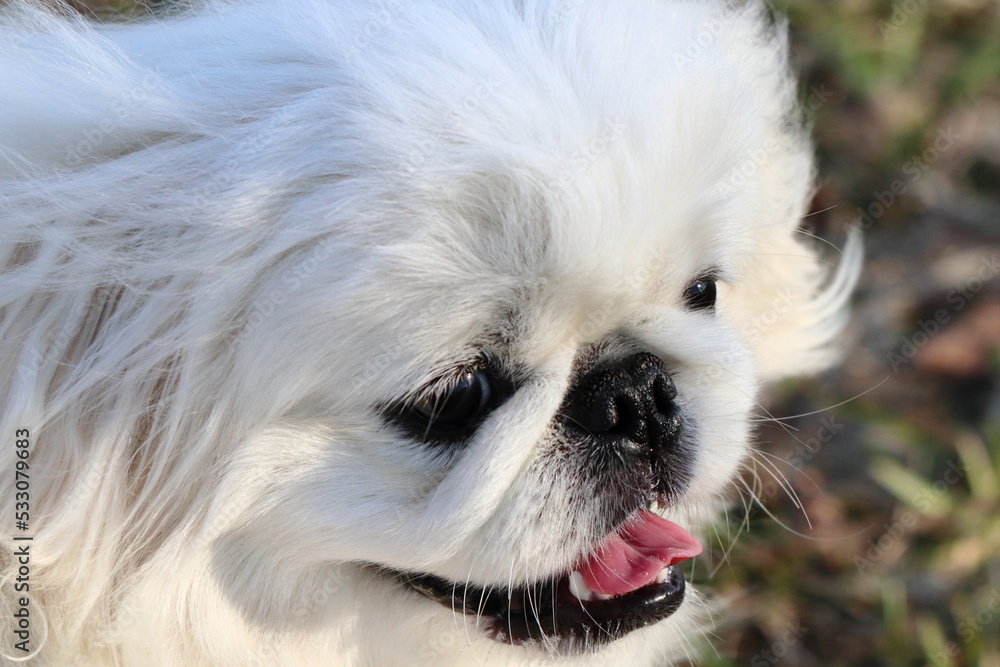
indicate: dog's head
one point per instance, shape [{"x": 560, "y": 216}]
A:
[
  {"x": 560, "y": 265},
  {"x": 460, "y": 325}
]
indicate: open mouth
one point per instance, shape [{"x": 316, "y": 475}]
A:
[{"x": 627, "y": 582}]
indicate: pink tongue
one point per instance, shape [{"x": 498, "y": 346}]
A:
[{"x": 632, "y": 557}]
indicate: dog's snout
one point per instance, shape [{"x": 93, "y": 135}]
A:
[
  {"x": 628, "y": 426},
  {"x": 628, "y": 405}
]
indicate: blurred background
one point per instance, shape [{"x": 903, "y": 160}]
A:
[{"x": 875, "y": 535}]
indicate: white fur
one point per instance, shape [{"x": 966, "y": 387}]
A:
[{"x": 228, "y": 235}]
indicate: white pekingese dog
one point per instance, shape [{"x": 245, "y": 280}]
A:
[{"x": 389, "y": 332}]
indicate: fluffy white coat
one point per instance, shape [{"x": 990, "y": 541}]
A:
[{"x": 228, "y": 235}]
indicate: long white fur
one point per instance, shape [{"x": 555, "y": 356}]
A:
[{"x": 228, "y": 234}]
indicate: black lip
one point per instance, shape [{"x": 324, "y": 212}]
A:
[{"x": 548, "y": 613}]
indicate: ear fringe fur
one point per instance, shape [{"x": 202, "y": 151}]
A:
[{"x": 798, "y": 332}]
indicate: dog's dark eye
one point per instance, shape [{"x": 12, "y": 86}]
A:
[
  {"x": 701, "y": 294},
  {"x": 461, "y": 405},
  {"x": 451, "y": 412}
]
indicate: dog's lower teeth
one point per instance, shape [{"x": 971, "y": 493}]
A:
[{"x": 578, "y": 588}]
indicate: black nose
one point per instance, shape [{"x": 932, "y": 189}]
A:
[{"x": 628, "y": 408}]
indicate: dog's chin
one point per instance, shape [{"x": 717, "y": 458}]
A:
[{"x": 634, "y": 569}]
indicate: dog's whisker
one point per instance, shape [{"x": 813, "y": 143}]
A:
[
  {"x": 782, "y": 481},
  {"x": 744, "y": 526},
  {"x": 806, "y": 232},
  {"x": 828, "y": 408}
]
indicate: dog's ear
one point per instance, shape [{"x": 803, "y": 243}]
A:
[{"x": 792, "y": 304}]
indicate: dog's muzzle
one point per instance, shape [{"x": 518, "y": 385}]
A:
[{"x": 622, "y": 432}]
